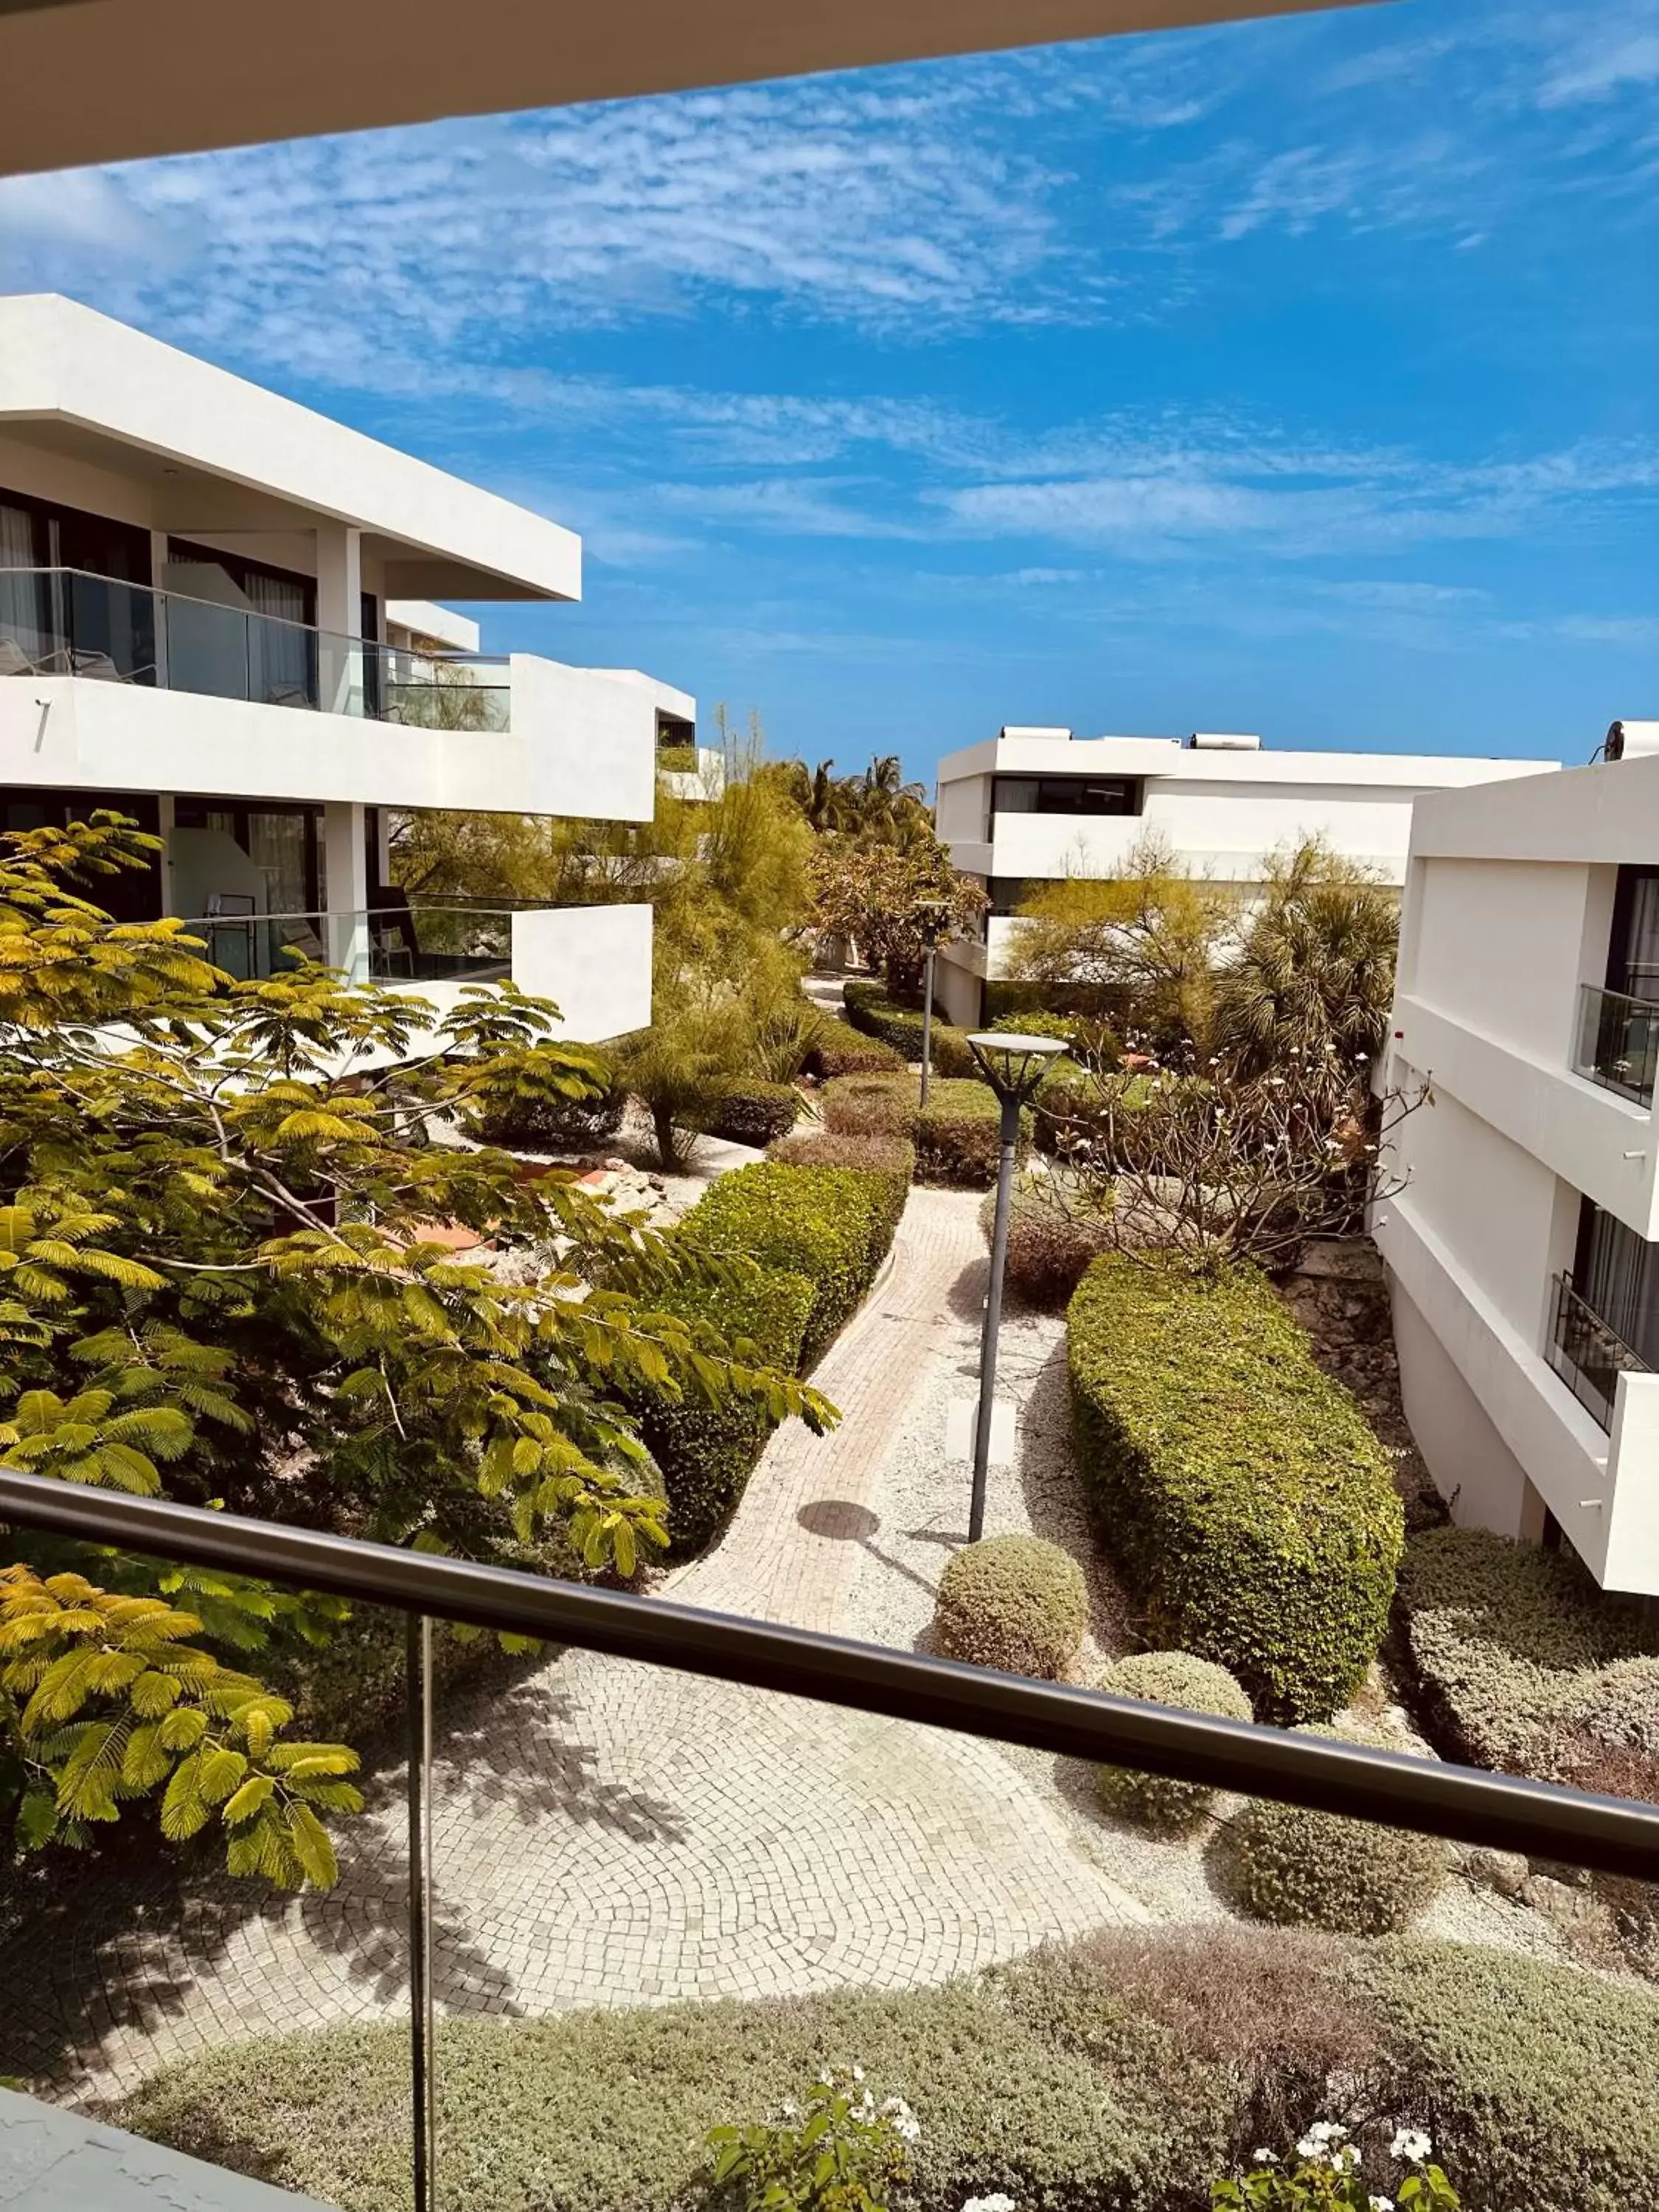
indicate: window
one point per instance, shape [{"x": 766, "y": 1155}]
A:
[
  {"x": 1007, "y": 893},
  {"x": 1633, "y": 953},
  {"x": 1613, "y": 1272},
  {"x": 1066, "y": 794}
]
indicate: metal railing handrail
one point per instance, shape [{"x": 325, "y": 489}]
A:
[
  {"x": 1464, "y": 1804},
  {"x": 1626, "y": 998},
  {"x": 1570, "y": 1295},
  {"x": 360, "y": 913},
  {"x": 438, "y": 657}
]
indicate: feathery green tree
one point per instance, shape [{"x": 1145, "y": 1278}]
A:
[{"x": 217, "y": 1201}]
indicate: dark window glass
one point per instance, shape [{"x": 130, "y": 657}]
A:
[
  {"x": 1007, "y": 893},
  {"x": 1066, "y": 794},
  {"x": 1614, "y": 1273},
  {"x": 1634, "y": 954}
]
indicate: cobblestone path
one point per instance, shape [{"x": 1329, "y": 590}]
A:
[{"x": 605, "y": 1833}]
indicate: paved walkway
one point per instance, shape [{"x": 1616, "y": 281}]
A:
[{"x": 606, "y": 1833}]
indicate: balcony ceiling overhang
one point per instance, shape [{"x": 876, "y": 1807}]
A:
[
  {"x": 110, "y": 80},
  {"x": 210, "y": 455}
]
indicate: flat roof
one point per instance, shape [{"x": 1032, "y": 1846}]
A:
[
  {"x": 1168, "y": 760},
  {"x": 81, "y": 383}
]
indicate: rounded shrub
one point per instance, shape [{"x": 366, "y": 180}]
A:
[
  {"x": 841, "y": 1050},
  {"x": 746, "y": 1111},
  {"x": 825, "y": 1148},
  {"x": 546, "y": 1121},
  {"x": 873, "y": 1105},
  {"x": 1538, "y": 2082},
  {"x": 1016, "y": 1603},
  {"x": 1189, "y": 1684},
  {"x": 1053, "y": 1236},
  {"x": 1301, "y": 1868},
  {"x": 1243, "y": 1491}
]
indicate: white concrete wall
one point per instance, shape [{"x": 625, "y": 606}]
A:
[
  {"x": 579, "y": 743},
  {"x": 1507, "y": 913},
  {"x": 963, "y": 813},
  {"x": 593, "y": 961},
  {"x": 130, "y": 400},
  {"x": 957, "y": 983}
]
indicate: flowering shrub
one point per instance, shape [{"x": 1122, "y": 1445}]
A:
[
  {"x": 1326, "y": 2172},
  {"x": 841, "y": 2153}
]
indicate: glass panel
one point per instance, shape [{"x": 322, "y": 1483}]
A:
[
  {"x": 142, "y": 1978},
  {"x": 1588, "y": 1354},
  {"x": 113, "y": 628},
  {"x": 208, "y": 648},
  {"x": 1619, "y": 1042}
]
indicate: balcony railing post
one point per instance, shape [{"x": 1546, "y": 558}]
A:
[{"x": 422, "y": 2113}]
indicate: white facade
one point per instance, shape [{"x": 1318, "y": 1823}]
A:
[
  {"x": 1518, "y": 1249},
  {"x": 1014, "y": 811},
  {"x": 222, "y": 607}
]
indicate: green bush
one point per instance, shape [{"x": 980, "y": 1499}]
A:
[
  {"x": 1241, "y": 1488},
  {"x": 608, "y": 2109},
  {"x": 1190, "y": 1685},
  {"x": 860, "y": 991},
  {"x": 1074, "y": 1106},
  {"x": 707, "y": 1450},
  {"x": 1305, "y": 1870},
  {"x": 1121, "y": 2072},
  {"x": 1053, "y": 1236},
  {"x": 746, "y": 1111},
  {"x": 1539, "y": 2083},
  {"x": 1016, "y": 1603},
  {"x": 1518, "y": 1661},
  {"x": 833, "y": 1225},
  {"x": 957, "y": 1138},
  {"x": 550, "y": 1124},
  {"x": 839, "y": 1050},
  {"x": 901, "y": 1027},
  {"x": 826, "y": 1148},
  {"x": 676, "y": 760}
]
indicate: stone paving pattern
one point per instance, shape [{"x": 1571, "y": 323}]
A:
[{"x": 605, "y": 1833}]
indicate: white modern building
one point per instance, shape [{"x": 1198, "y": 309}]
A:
[
  {"x": 1031, "y": 806},
  {"x": 1523, "y": 1249},
  {"x": 221, "y": 613}
]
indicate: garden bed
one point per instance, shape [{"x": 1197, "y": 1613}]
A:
[{"x": 1121, "y": 2075}]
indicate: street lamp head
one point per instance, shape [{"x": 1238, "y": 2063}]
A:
[
  {"x": 931, "y": 916},
  {"x": 1013, "y": 1065}
]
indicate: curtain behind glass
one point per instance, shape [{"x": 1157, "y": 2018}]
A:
[
  {"x": 27, "y": 642},
  {"x": 283, "y": 648}
]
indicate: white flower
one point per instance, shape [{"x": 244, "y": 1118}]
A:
[
  {"x": 788, "y": 2110},
  {"x": 1411, "y": 2144},
  {"x": 858, "y": 2073},
  {"x": 1381, "y": 2203},
  {"x": 1267, "y": 2158},
  {"x": 907, "y": 2127},
  {"x": 826, "y": 2079},
  {"x": 997, "y": 2203}
]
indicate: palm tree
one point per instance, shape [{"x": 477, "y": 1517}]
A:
[{"x": 1314, "y": 971}]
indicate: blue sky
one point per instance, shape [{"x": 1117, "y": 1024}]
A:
[{"x": 1300, "y": 376}]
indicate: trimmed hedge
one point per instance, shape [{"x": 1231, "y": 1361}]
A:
[
  {"x": 1016, "y": 1603},
  {"x": 706, "y": 1450},
  {"x": 556, "y": 1124},
  {"x": 1519, "y": 1661},
  {"x": 831, "y": 1224},
  {"x": 1539, "y": 2085},
  {"x": 1242, "y": 1490},
  {"x": 1188, "y": 1685},
  {"x": 746, "y": 1111},
  {"x": 1301, "y": 1869},
  {"x": 823, "y": 1148},
  {"x": 958, "y": 1138},
  {"x": 1050, "y": 1244},
  {"x": 1124, "y": 2072},
  {"x": 841, "y": 1050},
  {"x": 869, "y": 1009}
]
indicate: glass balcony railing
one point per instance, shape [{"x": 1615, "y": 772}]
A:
[
  {"x": 1587, "y": 1355},
  {"x": 420, "y": 943},
  {"x": 671, "y": 1872},
  {"x": 1618, "y": 1042},
  {"x": 62, "y": 622}
]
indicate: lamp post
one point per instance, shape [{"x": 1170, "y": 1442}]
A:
[
  {"x": 932, "y": 915},
  {"x": 1013, "y": 1066}
]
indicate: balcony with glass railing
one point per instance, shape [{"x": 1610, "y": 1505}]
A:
[
  {"x": 1588, "y": 1353},
  {"x": 1618, "y": 1042},
  {"x": 420, "y": 942},
  {"x": 64, "y": 622}
]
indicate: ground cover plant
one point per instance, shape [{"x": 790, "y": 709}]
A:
[
  {"x": 1016, "y": 1603},
  {"x": 1241, "y": 1490},
  {"x": 1131, "y": 2071}
]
